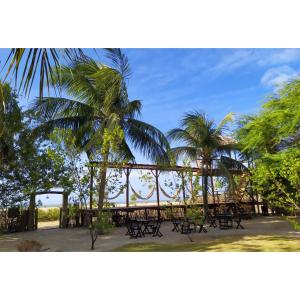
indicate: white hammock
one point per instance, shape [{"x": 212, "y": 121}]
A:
[
  {"x": 116, "y": 196},
  {"x": 169, "y": 196},
  {"x": 141, "y": 197}
]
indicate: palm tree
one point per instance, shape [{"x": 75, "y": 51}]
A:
[
  {"x": 203, "y": 142},
  {"x": 99, "y": 104}
]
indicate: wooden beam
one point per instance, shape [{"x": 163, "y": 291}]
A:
[{"x": 213, "y": 171}]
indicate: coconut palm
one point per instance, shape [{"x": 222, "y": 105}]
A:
[
  {"x": 203, "y": 142},
  {"x": 98, "y": 103}
]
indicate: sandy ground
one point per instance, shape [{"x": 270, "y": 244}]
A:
[
  {"x": 78, "y": 239},
  {"x": 48, "y": 224}
]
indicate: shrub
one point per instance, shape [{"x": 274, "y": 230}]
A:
[
  {"x": 51, "y": 214},
  {"x": 29, "y": 246}
]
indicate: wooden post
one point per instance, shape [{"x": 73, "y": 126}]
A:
[
  {"x": 65, "y": 210},
  {"x": 91, "y": 187},
  {"x": 212, "y": 189},
  {"x": 183, "y": 186},
  {"x": 157, "y": 193},
  {"x": 127, "y": 173},
  {"x": 31, "y": 213}
]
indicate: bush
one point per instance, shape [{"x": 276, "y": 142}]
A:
[
  {"x": 51, "y": 214},
  {"x": 29, "y": 246}
]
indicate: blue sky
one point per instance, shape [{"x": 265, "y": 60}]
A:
[{"x": 171, "y": 82}]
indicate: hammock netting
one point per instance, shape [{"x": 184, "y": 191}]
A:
[
  {"x": 116, "y": 196},
  {"x": 170, "y": 196},
  {"x": 140, "y": 196}
]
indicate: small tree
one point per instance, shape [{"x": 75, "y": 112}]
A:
[{"x": 102, "y": 225}]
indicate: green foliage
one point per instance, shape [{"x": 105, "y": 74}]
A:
[
  {"x": 25, "y": 166},
  {"x": 73, "y": 209},
  {"x": 103, "y": 223},
  {"x": 294, "y": 222},
  {"x": 99, "y": 111},
  {"x": 103, "y": 119},
  {"x": 194, "y": 213},
  {"x": 67, "y": 156},
  {"x": 277, "y": 178},
  {"x": 202, "y": 138},
  {"x": 30, "y": 63},
  {"x": 276, "y": 126},
  {"x": 51, "y": 214},
  {"x": 272, "y": 138}
]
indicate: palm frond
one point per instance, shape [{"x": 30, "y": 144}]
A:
[
  {"x": 119, "y": 61},
  {"x": 32, "y": 62},
  {"x": 53, "y": 107},
  {"x": 147, "y": 139},
  {"x": 184, "y": 151},
  {"x": 223, "y": 124}
]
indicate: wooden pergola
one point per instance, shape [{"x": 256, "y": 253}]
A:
[{"x": 156, "y": 171}]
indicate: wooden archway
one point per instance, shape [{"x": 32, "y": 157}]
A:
[{"x": 32, "y": 206}]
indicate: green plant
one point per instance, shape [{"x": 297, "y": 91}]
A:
[
  {"x": 294, "y": 222},
  {"x": 194, "y": 213},
  {"x": 51, "y": 214},
  {"x": 102, "y": 225},
  {"x": 271, "y": 140}
]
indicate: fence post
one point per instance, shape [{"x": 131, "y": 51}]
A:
[
  {"x": 157, "y": 193},
  {"x": 127, "y": 173}
]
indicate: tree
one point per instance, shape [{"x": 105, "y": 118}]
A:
[
  {"x": 272, "y": 138},
  {"x": 25, "y": 166},
  {"x": 276, "y": 178},
  {"x": 10, "y": 122},
  {"x": 67, "y": 156},
  {"x": 203, "y": 141},
  {"x": 100, "y": 114}
]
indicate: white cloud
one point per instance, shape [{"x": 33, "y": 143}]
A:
[
  {"x": 275, "y": 77},
  {"x": 234, "y": 61},
  {"x": 280, "y": 57},
  {"x": 256, "y": 57}
]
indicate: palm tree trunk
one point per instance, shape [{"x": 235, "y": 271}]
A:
[
  {"x": 204, "y": 191},
  {"x": 102, "y": 182}
]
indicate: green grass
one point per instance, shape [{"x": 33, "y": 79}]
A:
[
  {"x": 258, "y": 243},
  {"x": 52, "y": 214}
]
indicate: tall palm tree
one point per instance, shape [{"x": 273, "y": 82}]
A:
[
  {"x": 98, "y": 103},
  {"x": 203, "y": 142}
]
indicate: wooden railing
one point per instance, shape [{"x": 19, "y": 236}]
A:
[{"x": 164, "y": 212}]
